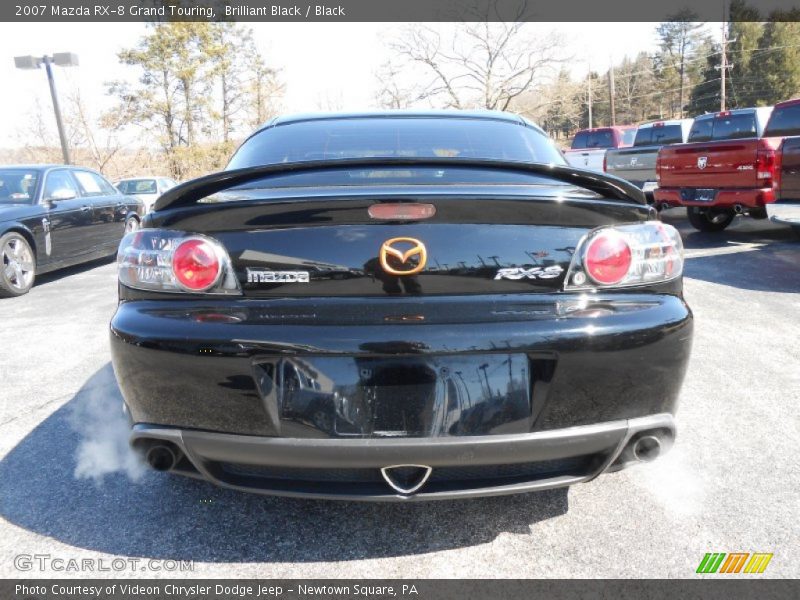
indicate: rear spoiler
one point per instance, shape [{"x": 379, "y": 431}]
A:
[{"x": 192, "y": 191}]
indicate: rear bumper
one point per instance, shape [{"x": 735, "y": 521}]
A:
[
  {"x": 542, "y": 389},
  {"x": 459, "y": 467},
  {"x": 750, "y": 198},
  {"x": 784, "y": 211}
]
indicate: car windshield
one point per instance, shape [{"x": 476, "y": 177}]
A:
[
  {"x": 138, "y": 186},
  {"x": 603, "y": 138},
  {"x": 406, "y": 137},
  {"x": 18, "y": 186}
]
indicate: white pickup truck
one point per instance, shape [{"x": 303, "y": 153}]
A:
[{"x": 589, "y": 146}]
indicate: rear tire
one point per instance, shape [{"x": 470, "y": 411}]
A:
[
  {"x": 711, "y": 220},
  {"x": 18, "y": 265},
  {"x": 796, "y": 229}
]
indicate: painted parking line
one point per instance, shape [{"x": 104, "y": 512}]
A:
[{"x": 735, "y": 248}]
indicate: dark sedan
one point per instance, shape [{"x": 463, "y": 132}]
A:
[
  {"x": 400, "y": 306},
  {"x": 55, "y": 216}
]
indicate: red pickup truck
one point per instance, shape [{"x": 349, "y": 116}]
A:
[{"x": 729, "y": 166}]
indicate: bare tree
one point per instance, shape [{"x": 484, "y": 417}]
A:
[
  {"x": 99, "y": 137},
  {"x": 482, "y": 64},
  {"x": 391, "y": 94}
]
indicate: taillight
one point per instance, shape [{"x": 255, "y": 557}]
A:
[
  {"x": 766, "y": 162},
  {"x": 196, "y": 265},
  {"x": 626, "y": 255},
  {"x": 608, "y": 258},
  {"x": 658, "y": 167},
  {"x": 605, "y": 162},
  {"x": 174, "y": 261}
]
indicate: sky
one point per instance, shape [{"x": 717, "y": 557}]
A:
[{"x": 322, "y": 64}]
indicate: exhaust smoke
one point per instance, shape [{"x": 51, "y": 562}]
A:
[{"x": 98, "y": 419}]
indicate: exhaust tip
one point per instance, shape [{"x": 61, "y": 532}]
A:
[
  {"x": 738, "y": 209},
  {"x": 664, "y": 206},
  {"x": 647, "y": 448},
  {"x": 161, "y": 457}
]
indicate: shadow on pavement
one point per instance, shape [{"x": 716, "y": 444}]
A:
[
  {"x": 47, "y": 486},
  {"x": 751, "y": 254},
  {"x": 53, "y": 276}
]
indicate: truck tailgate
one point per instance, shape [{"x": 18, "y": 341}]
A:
[
  {"x": 586, "y": 159},
  {"x": 637, "y": 165},
  {"x": 728, "y": 164}
]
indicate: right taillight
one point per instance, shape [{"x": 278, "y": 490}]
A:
[
  {"x": 766, "y": 162},
  {"x": 626, "y": 255},
  {"x": 174, "y": 261},
  {"x": 605, "y": 162}
]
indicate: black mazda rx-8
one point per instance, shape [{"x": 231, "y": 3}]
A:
[{"x": 400, "y": 306}]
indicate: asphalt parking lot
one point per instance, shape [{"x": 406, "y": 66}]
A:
[{"x": 70, "y": 489}]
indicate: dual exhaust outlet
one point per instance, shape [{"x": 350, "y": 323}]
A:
[{"x": 162, "y": 456}]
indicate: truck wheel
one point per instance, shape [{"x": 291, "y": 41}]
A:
[
  {"x": 796, "y": 229},
  {"x": 757, "y": 213},
  {"x": 18, "y": 264},
  {"x": 711, "y": 220}
]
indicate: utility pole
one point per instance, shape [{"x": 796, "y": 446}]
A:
[
  {"x": 589, "y": 80},
  {"x": 62, "y": 59},
  {"x": 724, "y": 66},
  {"x": 611, "y": 94},
  {"x": 57, "y": 109}
]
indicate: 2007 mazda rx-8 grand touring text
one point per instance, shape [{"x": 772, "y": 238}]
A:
[{"x": 400, "y": 305}]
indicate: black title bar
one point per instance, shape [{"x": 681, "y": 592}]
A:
[
  {"x": 713, "y": 588},
  {"x": 387, "y": 10}
]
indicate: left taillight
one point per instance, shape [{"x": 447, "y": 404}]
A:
[
  {"x": 626, "y": 255},
  {"x": 175, "y": 261}
]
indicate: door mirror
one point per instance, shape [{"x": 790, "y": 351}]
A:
[{"x": 61, "y": 194}]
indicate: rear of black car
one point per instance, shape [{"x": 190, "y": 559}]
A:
[{"x": 400, "y": 307}]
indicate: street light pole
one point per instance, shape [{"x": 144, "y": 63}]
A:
[
  {"x": 57, "y": 108},
  {"x": 62, "y": 59}
]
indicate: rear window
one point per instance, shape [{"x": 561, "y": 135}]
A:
[
  {"x": 730, "y": 127},
  {"x": 784, "y": 121},
  {"x": 628, "y": 135},
  {"x": 138, "y": 186},
  {"x": 406, "y": 137},
  {"x": 659, "y": 135},
  {"x": 603, "y": 138}
]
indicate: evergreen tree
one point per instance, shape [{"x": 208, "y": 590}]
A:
[{"x": 778, "y": 59}]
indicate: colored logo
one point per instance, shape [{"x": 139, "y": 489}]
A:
[
  {"x": 404, "y": 262},
  {"x": 702, "y": 161},
  {"x": 735, "y": 562}
]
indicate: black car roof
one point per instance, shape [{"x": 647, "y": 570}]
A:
[{"x": 490, "y": 115}]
